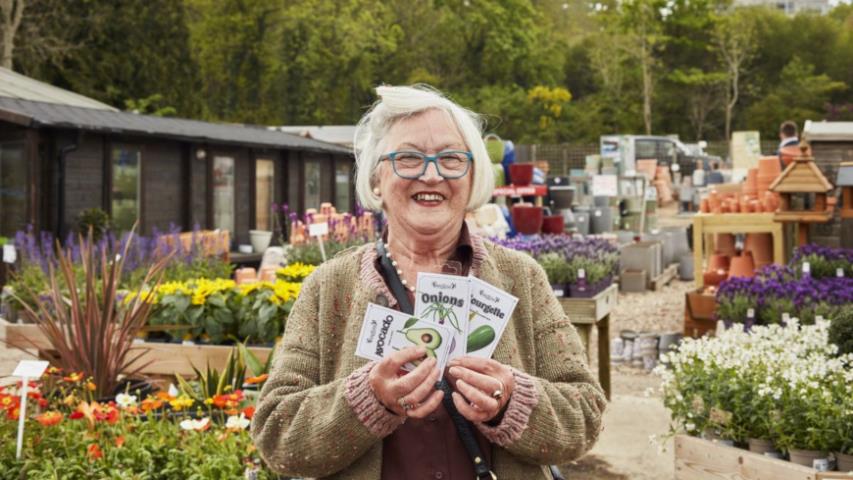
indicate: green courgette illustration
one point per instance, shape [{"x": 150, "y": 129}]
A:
[{"x": 480, "y": 338}]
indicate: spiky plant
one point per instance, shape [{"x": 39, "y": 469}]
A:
[{"x": 89, "y": 328}]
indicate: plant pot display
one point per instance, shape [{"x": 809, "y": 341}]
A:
[
  {"x": 260, "y": 240},
  {"x": 585, "y": 267},
  {"x": 553, "y": 224},
  {"x": 779, "y": 388}
]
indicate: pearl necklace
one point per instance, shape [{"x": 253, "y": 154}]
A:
[{"x": 399, "y": 272}]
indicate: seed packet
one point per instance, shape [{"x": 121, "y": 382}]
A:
[
  {"x": 491, "y": 309},
  {"x": 444, "y": 300},
  {"x": 384, "y": 331}
]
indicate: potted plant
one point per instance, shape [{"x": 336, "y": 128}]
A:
[{"x": 557, "y": 269}]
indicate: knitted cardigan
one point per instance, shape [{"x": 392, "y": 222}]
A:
[{"x": 317, "y": 417}]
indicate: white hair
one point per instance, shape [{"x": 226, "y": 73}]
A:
[{"x": 396, "y": 103}]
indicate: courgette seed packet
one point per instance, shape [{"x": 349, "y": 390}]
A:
[
  {"x": 385, "y": 331},
  {"x": 444, "y": 300},
  {"x": 491, "y": 309}
]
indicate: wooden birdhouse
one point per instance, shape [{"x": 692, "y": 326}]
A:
[
  {"x": 845, "y": 183},
  {"x": 803, "y": 178}
]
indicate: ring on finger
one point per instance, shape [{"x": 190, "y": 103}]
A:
[
  {"x": 499, "y": 393},
  {"x": 404, "y": 404}
]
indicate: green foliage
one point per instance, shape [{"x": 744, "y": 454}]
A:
[
  {"x": 629, "y": 66},
  {"x": 555, "y": 267},
  {"x": 841, "y": 331},
  {"x": 95, "y": 219}
]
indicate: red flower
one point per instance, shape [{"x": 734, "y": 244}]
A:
[
  {"x": 249, "y": 412},
  {"x": 76, "y": 415},
  {"x": 119, "y": 441},
  {"x": 13, "y": 413},
  {"x": 43, "y": 403},
  {"x": 95, "y": 452},
  {"x": 49, "y": 419}
]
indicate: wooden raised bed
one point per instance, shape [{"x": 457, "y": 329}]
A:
[
  {"x": 162, "y": 358},
  {"x": 698, "y": 459}
]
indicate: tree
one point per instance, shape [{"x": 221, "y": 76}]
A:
[
  {"x": 11, "y": 15},
  {"x": 640, "y": 22},
  {"x": 703, "y": 95},
  {"x": 734, "y": 41}
]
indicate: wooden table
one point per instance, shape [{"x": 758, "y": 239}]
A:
[
  {"x": 707, "y": 224},
  {"x": 584, "y": 313}
]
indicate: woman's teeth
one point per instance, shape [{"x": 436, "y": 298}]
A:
[{"x": 429, "y": 197}]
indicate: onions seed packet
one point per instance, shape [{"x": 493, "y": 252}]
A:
[
  {"x": 384, "y": 331},
  {"x": 491, "y": 309},
  {"x": 444, "y": 300}
]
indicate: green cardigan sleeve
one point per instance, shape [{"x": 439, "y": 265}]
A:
[
  {"x": 557, "y": 417},
  {"x": 301, "y": 427}
]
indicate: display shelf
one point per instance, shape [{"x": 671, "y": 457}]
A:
[{"x": 707, "y": 224}]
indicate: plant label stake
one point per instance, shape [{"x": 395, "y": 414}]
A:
[
  {"x": 319, "y": 230},
  {"x": 26, "y": 369},
  {"x": 9, "y": 253},
  {"x": 807, "y": 268},
  {"x": 839, "y": 272}
]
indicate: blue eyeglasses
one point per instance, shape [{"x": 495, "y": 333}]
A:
[{"x": 412, "y": 165}]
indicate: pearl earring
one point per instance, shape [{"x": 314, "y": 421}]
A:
[{"x": 376, "y": 191}]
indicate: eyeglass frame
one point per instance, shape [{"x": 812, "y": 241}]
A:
[{"x": 427, "y": 160}]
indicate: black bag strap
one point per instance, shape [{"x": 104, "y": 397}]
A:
[{"x": 463, "y": 427}]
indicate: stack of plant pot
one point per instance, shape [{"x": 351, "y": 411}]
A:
[
  {"x": 755, "y": 196},
  {"x": 727, "y": 262}
]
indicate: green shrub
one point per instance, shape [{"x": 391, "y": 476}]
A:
[{"x": 841, "y": 331}]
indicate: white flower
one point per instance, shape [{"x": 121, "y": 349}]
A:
[
  {"x": 237, "y": 423},
  {"x": 197, "y": 425},
  {"x": 124, "y": 400}
]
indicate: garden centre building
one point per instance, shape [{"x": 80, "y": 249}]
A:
[{"x": 62, "y": 153}]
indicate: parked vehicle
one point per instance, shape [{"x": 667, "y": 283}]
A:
[{"x": 669, "y": 151}]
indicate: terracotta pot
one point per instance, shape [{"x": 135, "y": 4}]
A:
[
  {"x": 735, "y": 206},
  {"x": 761, "y": 247},
  {"x": 553, "y": 224},
  {"x": 718, "y": 261},
  {"x": 527, "y": 219},
  {"x": 725, "y": 243},
  {"x": 789, "y": 153},
  {"x": 713, "y": 278},
  {"x": 742, "y": 266},
  {"x": 521, "y": 174},
  {"x": 769, "y": 166},
  {"x": 704, "y": 207}
]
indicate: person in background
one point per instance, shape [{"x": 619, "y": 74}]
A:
[
  {"x": 716, "y": 176},
  {"x": 699, "y": 175},
  {"x": 686, "y": 194},
  {"x": 787, "y": 138}
]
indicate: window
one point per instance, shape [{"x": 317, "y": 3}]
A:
[
  {"x": 264, "y": 193},
  {"x": 646, "y": 149},
  {"x": 124, "y": 197},
  {"x": 13, "y": 188},
  {"x": 343, "y": 174},
  {"x": 223, "y": 193},
  {"x": 312, "y": 184}
]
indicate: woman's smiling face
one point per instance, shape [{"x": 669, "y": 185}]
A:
[{"x": 430, "y": 203}]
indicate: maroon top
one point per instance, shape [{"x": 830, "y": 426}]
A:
[{"x": 430, "y": 448}]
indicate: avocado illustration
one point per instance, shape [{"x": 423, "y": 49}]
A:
[{"x": 428, "y": 338}]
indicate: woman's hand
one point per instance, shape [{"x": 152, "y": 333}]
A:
[
  {"x": 410, "y": 395},
  {"x": 483, "y": 387}
]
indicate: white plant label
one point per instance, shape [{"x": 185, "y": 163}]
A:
[
  {"x": 26, "y": 369},
  {"x": 445, "y": 300},
  {"x": 750, "y": 313},
  {"x": 807, "y": 267},
  {"x": 385, "y": 331},
  {"x": 491, "y": 309},
  {"x": 30, "y": 368},
  {"x": 559, "y": 292},
  {"x": 598, "y": 213},
  {"x": 786, "y": 317},
  {"x": 839, "y": 272},
  {"x": 318, "y": 229},
  {"x": 581, "y": 273},
  {"x": 10, "y": 255}
]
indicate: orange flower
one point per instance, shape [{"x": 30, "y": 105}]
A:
[
  {"x": 13, "y": 413},
  {"x": 151, "y": 404},
  {"x": 259, "y": 379},
  {"x": 120, "y": 441},
  {"x": 49, "y": 419},
  {"x": 53, "y": 370},
  {"x": 228, "y": 400},
  {"x": 9, "y": 401},
  {"x": 249, "y": 412},
  {"x": 95, "y": 452},
  {"x": 74, "y": 377},
  {"x": 90, "y": 386},
  {"x": 161, "y": 395}
]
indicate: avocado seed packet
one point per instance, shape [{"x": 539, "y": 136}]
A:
[
  {"x": 444, "y": 300},
  {"x": 384, "y": 331},
  {"x": 491, "y": 309}
]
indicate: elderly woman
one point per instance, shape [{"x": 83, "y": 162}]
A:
[{"x": 326, "y": 413}]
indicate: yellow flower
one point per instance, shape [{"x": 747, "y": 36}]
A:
[
  {"x": 286, "y": 291},
  {"x": 181, "y": 403},
  {"x": 295, "y": 272}
]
